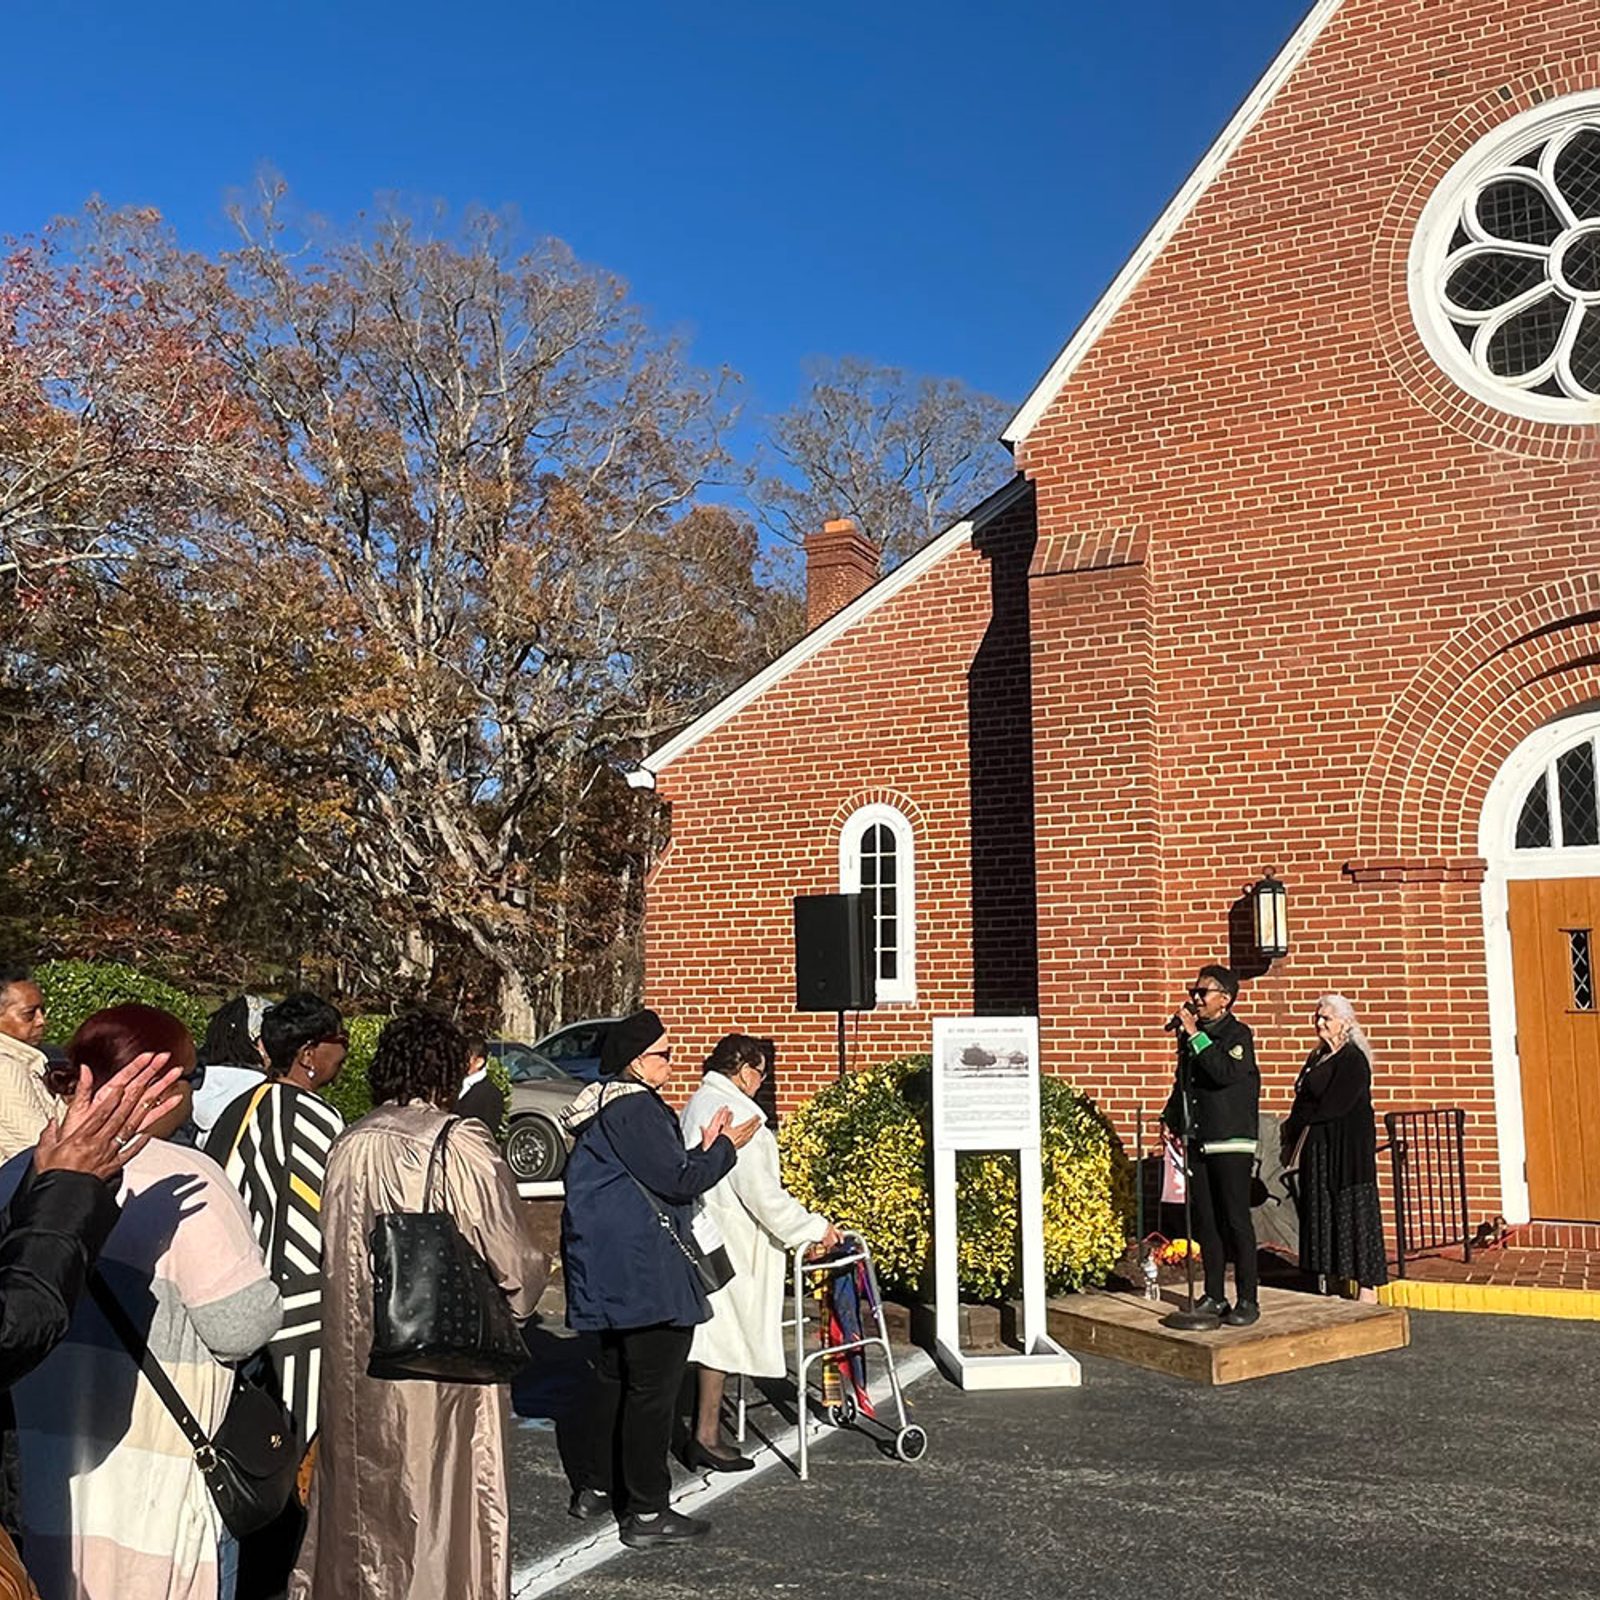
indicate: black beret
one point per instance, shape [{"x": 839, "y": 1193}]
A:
[
  {"x": 1224, "y": 977},
  {"x": 627, "y": 1039}
]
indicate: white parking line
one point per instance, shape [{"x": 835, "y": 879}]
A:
[
  {"x": 548, "y": 1573},
  {"x": 554, "y": 1190}
]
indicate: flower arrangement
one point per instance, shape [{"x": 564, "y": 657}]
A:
[{"x": 858, "y": 1151}]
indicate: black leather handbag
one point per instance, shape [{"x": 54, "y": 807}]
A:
[
  {"x": 437, "y": 1312},
  {"x": 249, "y": 1464}
]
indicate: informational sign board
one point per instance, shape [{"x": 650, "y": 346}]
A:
[{"x": 986, "y": 1097}]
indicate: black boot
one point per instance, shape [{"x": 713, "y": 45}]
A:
[{"x": 1243, "y": 1314}]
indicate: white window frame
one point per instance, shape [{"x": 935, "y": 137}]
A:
[
  {"x": 1456, "y": 194},
  {"x": 1536, "y": 755},
  {"x": 901, "y": 989}
]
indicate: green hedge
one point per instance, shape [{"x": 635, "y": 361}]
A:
[
  {"x": 350, "y": 1094},
  {"x": 858, "y": 1152},
  {"x": 74, "y": 990}
]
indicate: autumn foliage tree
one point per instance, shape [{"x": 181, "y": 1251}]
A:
[{"x": 448, "y": 567}]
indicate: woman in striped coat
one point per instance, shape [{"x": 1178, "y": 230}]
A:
[{"x": 273, "y": 1142}]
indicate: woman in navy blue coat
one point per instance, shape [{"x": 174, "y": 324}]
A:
[{"x": 625, "y": 1250}]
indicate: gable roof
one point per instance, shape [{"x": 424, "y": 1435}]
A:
[
  {"x": 886, "y": 588},
  {"x": 1168, "y": 223}
]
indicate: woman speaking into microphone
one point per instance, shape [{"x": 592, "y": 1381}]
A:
[{"x": 1219, "y": 1054}]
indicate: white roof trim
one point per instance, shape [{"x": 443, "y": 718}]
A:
[
  {"x": 886, "y": 588},
  {"x": 1168, "y": 223}
]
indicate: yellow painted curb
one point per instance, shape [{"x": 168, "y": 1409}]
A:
[{"x": 1492, "y": 1299}]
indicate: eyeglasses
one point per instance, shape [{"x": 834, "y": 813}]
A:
[
  {"x": 341, "y": 1038},
  {"x": 659, "y": 1055}
]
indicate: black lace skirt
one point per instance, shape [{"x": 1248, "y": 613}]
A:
[{"x": 1341, "y": 1230}]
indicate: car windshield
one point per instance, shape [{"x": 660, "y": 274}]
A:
[
  {"x": 573, "y": 1044},
  {"x": 528, "y": 1066}
]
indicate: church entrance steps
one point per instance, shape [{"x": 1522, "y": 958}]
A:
[
  {"x": 1295, "y": 1330},
  {"x": 1508, "y": 1282}
]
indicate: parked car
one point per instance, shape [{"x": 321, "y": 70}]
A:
[
  {"x": 576, "y": 1047},
  {"x": 535, "y": 1144}
]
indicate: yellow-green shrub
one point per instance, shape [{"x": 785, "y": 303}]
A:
[
  {"x": 858, "y": 1152},
  {"x": 74, "y": 990}
]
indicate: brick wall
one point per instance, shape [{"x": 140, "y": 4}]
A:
[
  {"x": 886, "y": 713},
  {"x": 1292, "y": 599},
  {"x": 1364, "y": 588}
]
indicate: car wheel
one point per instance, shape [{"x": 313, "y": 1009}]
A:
[{"x": 535, "y": 1150}]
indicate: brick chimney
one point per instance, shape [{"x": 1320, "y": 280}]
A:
[{"x": 841, "y": 563}]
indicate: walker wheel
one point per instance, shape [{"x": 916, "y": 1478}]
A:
[
  {"x": 842, "y": 1414},
  {"x": 911, "y": 1443}
]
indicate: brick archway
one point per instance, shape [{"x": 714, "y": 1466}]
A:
[{"x": 1517, "y": 667}]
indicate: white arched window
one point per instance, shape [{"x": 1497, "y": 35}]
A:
[
  {"x": 1559, "y": 808},
  {"x": 877, "y": 860}
]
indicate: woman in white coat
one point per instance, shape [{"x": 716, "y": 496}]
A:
[{"x": 760, "y": 1222}]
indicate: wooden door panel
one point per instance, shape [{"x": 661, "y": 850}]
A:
[{"x": 1558, "y": 1037}]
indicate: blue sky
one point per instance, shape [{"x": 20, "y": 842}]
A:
[{"x": 941, "y": 186}]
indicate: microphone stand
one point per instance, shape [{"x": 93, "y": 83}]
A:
[{"x": 1188, "y": 1320}]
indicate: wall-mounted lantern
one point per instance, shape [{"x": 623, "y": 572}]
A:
[{"x": 1270, "y": 902}]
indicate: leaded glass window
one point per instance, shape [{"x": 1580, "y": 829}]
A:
[
  {"x": 876, "y": 860},
  {"x": 1560, "y": 809},
  {"x": 1582, "y": 971},
  {"x": 1505, "y": 269}
]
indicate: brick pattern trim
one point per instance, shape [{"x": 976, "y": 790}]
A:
[
  {"x": 1402, "y": 345},
  {"x": 903, "y": 803},
  {"x": 1088, "y": 550},
  {"x": 1495, "y": 681},
  {"x": 1458, "y": 869}
]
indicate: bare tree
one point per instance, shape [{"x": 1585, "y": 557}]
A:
[
  {"x": 903, "y": 455},
  {"x": 486, "y": 467}
]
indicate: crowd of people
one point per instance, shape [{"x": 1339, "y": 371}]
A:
[
  {"x": 189, "y": 1225},
  {"x": 186, "y": 1230},
  {"x": 191, "y": 1228}
]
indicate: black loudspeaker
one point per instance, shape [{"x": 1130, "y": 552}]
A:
[{"x": 834, "y": 963}]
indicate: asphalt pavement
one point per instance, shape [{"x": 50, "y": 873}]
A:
[{"x": 1463, "y": 1466}]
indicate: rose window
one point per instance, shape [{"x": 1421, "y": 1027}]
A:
[{"x": 1506, "y": 268}]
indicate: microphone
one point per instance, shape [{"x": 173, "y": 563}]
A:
[{"x": 1174, "y": 1023}]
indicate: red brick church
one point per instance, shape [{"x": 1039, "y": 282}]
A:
[{"x": 1300, "y": 572}]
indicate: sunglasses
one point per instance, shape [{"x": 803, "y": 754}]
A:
[
  {"x": 1200, "y": 994},
  {"x": 659, "y": 1055},
  {"x": 340, "y": 1038}
]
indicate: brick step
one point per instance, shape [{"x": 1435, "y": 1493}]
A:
[{"x": 1555, "y": 1236}]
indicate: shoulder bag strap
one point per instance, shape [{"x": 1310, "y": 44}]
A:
[
  {"x": 662, "y": 1217},
  {"x": 137, "y": 1347},
  {"x": 436, "y": 1165}
]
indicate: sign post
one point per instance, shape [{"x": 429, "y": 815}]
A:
[{"x": 986, "y": 1097}]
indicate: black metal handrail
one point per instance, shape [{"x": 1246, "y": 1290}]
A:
[{"x": 1428, "y": 1159}]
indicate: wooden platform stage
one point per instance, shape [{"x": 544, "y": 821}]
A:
[{"x": 1295, "y": 1330}]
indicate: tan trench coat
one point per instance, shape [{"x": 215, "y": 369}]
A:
[{"x": 408, "y": 1501}]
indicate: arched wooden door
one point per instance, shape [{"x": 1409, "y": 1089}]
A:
[{"x": 1555, "y": 952}]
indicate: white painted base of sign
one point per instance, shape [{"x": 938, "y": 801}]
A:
[{"x": 1046, "y": 1366}]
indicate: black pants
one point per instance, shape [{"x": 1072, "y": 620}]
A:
[
  {"x": 1222, "y": 1224},
  {"x": 639, "y": 1374}
]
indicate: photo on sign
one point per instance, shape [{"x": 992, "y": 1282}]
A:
[{"x": 971, "y": 1058}]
